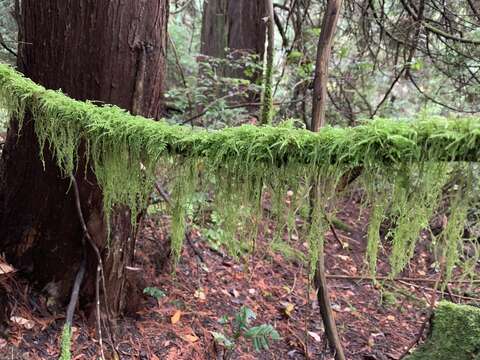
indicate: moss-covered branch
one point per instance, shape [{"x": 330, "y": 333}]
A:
[
  {"x": 379, "y": 141},
  {"x": 404, "y": 161}
]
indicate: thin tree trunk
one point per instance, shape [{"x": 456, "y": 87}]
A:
[
  {"x": 326, "y": 308},
  {"x": 329, "y": 25},
  {"x": 107, "y": 51},
  {"x": 267, "y": 100},
  {"x": 320, "y": 95}
]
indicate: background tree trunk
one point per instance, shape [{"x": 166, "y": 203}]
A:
[
  {"x": 214, "y": 36},
  {"x": 106, "y": 51},
  {"x": 236, "y": 25}
]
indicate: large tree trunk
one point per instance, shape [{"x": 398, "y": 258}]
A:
[{"x": 106, "y": 51}]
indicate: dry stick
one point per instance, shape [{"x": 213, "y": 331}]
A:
[
  {"x": 326, "y": 308},
  {"x": 100, "y": 273},
  {"x": 258, "y": 226},
  {"x": 306, "y": 319},
  {"x": 441, "y": 292},
  {"x": 427, "y": 318},
  {"x": 432, "y": 99},
  {"x": 329, "y": 24},
  {"x": 408, "y": 279},
  {"x": 450, "y": 293},
  {"x": 166, "y": 197},
  {"x": 387, "y": 94},
  {"x": 180, "y": 70},
  {"x": 334, "y": 232},
  {"x": 474, "y": 8},
  {"x": 76, "y": 289},
  {"x": 88, "y": 237}
]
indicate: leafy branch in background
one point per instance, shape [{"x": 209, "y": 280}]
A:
[
  {"x": 259, "y": 336},
  {"x": 154, "y": 292},
  {"x": 213, "y": 99}
]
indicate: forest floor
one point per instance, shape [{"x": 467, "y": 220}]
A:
[{"x": 376, "y": 321}]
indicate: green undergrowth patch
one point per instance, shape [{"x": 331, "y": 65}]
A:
[
  {"x": 455, "y": 334},
  {"x": 405, "y": 165}
]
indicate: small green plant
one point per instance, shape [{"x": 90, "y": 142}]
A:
[
  {"x": 388, "y": 298},
  {"x": 154, "y": 292},
  {"x": 240, "y": 327}
]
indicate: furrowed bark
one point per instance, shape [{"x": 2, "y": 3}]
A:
[{"x": 104, "y": 51}]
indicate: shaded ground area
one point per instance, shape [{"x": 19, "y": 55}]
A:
[{"x": 376, "y": 321}]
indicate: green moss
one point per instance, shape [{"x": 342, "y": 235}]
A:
[
  {"x": 419, "y": 188},
  {"x": 182, "y": 194},
  {"x": 388, "y": 298},
  {"x": 403, "y": 164},
  {"x": 66, "y": 343},
  {"x": 287, "y": 251},
  {"x": 455, "y": 334},
  {"x": 267, "y": 94}
]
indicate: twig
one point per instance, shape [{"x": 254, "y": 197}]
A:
[
  {"x": 405, "y": 279},
  {"x": 181, "y": 8},
  {"x": 432, "y": 99},
  {"x": 450, "y": 293},
  {"x": 334, "y": 232},
  {"x": 99, "y": 268},
  {"x": 442, "y": 292},
  {"x": 6, "y": 47},
  {"x": 180, "y": 70},
  {"x": 76, "y": 287},
  {"x": 281, "y": 30},
  {"x": 387, "y": 94},
  {"x": 236, "y": 106},
  {"x": 325, "y": 308},
  {"x": 427, "y": 318}
]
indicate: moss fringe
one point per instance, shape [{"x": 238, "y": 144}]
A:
[{"x": 405, "y": 164}]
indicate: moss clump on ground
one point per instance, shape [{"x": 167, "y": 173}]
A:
[{"x": 455, "y": 334}]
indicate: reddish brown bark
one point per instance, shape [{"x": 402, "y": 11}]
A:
[
  {"x": 329, "y": 26},
  {"x": 107, "y": 51}
]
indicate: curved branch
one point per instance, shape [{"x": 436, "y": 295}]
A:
[
  {"x": 428, "y": 26},
  {"x": 181, "y": 8},
  {"x": 6, "y": 47},
  {"x": 432, "y": 99}
]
